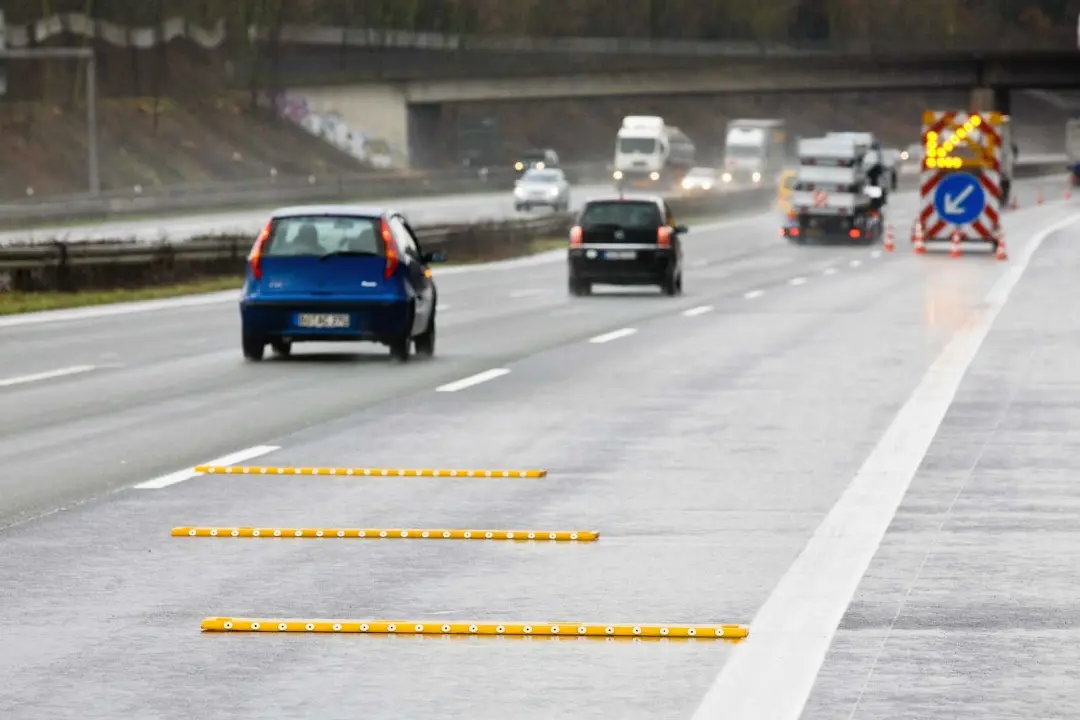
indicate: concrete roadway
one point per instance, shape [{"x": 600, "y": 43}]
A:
[{"x": 706, "y": 442}]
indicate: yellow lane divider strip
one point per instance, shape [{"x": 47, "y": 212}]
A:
[
  {"x": 368, "y": 472},
  {"x": 411, "y": 627},
  {"x": 386, "y": 533}
]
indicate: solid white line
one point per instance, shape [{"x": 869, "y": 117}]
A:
[
  {"x": 700, "y": 310},
  {"x": 829, "y": 271},
  {"x": 754, "y": 294},
  {"x": 182, "y": 475},
  {"x": 797, "y": 281},
  {"x": 855, "y": 263},
  {"x": 525, "y": 293},
  {"x": 473, "y": 380},
  {"x": 50, "y": 375},
  {"x": 608, "y": 337},
  {"x": 794, "y": 629}
]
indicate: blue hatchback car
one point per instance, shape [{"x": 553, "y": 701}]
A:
[{"x": 338, "y": 274}]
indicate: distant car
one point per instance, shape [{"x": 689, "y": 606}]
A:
[
  {"x": 338, "y": 274},
  {"x": 623, "y": 241},
  {"x": 700, "y": 179},
  {"x": 539, "y": 159},
  {"x": 542, "y": 188}
]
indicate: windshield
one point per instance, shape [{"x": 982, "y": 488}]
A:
[
  {"x": 643, "y": 214},
  {"x": 319, "y": 235},
  {"x": 541, "y": 176},
  {"x": 743, "y": 151},
  {"x": 644, "y": 146}
]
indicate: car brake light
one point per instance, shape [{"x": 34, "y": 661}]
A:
[
  {"x": 391, "y": 251},
  {"x": 576, "y": 236},
  {"x": 854, "y": 233},
  {"x": 663, "y": 236},
  {"x": 255, "y": 258}
]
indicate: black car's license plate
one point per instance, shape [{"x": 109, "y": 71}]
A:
[{"x": 620, "y": 255}]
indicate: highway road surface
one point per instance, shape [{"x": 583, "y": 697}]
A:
[{"x": 811, "y": 437}]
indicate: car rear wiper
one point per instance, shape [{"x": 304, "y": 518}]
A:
[{"x": 349, "y": 253}]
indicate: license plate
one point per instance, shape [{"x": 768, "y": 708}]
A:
[
  {"x": 620, "y": 255},
  {"x": 307, "y": 320}
]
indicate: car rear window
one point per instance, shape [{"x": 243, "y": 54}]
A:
[
  {"x": 628, "y": 214},
  {"x": 321, "y": 234}
]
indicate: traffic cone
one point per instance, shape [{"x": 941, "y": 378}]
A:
[
  {"x": 1039, "y": 196},
  {"x": 1001, "y": 253},
  {"x": 954, "y": 251},
  {"x": 890, "y": 245},
  {"x": 920, "y": 246},
  {"x": 1068, "y": 188},
  {"x": 1015, "y": 204}
]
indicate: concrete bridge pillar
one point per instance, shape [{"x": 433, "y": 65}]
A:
[{"x": 986, "y": 99}]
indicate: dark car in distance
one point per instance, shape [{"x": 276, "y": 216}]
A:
[
  {"x": 626, "y": 241},
  {"x": 338, "y": 274}
]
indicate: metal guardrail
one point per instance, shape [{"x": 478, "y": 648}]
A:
[{"x": 271, "y": 191}]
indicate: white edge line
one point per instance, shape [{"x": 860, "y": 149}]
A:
[
  {"x": 178, "y": 477},
  {"x": 794, "y": 629},
  {"x": 614, "y": 335},
  {"x": 476, "y": 379},
  {"x": 49, "y": 375},
  {"x": 700, "y": 310},
  {"x": 753, "y": 294}
]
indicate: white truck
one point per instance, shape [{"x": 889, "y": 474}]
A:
[
  {"x": 650, "y": 153},
  {"x": 834, "y": 196},
  {"x": 890, "y": 172},
  {"x": 754, "y": 150},
  {"x": 1072, "y": 148}
]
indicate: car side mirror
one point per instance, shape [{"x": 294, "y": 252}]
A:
[
  {"x": 437, "y": 256},
  {"x": 681, "y": 229}
]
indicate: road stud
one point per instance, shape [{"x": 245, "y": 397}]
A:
[
  {"x": 369, "y": 472},
  {"x": 413, "y": 627},
  {"x": 386, "y": 534}
]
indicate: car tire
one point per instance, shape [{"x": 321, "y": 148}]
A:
[
  {"x": 670, "y": 285},
  {"x": 424, "y": 343},
  {"x": 401, "y": 346},
  {"x": 281, "y": 348},
  {"x": 254, "y": 347},
  {"x": 579, "y": 288}
]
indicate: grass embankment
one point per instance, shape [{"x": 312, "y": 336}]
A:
[{"x": 14, "y": 303}]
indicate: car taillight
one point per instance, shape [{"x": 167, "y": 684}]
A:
[
  {"x": 255, "y": 258},
  {"x": 390, "y": 249},
  {"x": 663, "y": 237},
  {"x": 854, "y": 233},
  {"x": 576, "y": 236}
]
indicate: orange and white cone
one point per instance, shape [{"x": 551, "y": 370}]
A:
[
  {"x": 917, "y": 239},
  {"x": 1001, "y": 253},
  {"x": 954, "y": 251},
  {"x": 1039, "y": 196},
  {"x": 890, "y": 243},
  {"x": 1068, "y": 188}
]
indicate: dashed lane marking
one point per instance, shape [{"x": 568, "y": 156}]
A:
[
  {"x": 615, "y": 335},
  {"x": 875, "y": 254},
  {"x": 476, "y": 379},
  {"x": 828, "y": 271},
  {"x": 178, "y": 477},
  {"x": 335, "y": 533},
  {"x": 700, "y": 310},
  {"x": 48, "y": 375},
  {"x": 753, "y": 294},
  {"x": 442, "y": 307},
  {"x": 795, "y": 627},
  {"x": 797, "y": 281},
  {"x": 855, "y": 263}
]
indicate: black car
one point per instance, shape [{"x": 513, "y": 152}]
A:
[{"x": 626, "y": 241}]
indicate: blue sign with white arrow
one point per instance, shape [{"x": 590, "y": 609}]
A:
[{"x": 959, "y": 198}]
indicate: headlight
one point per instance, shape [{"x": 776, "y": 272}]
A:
[
  {"x": 707, "y": 186},
  {"x": 727, "y": 177},
  {"x": 539, "y": 166},
  {"x": 518, "y": 192},
  {"x": 904, "y": 155},
  {"x": 757, "y": 177},
  {"x": 553, "y": 192},
  {"x": 685, "y": 184},
  {"x": 617, "y": 175},
  {"x": 654, "y": 176},
  {"x": 519, "y": 166}
]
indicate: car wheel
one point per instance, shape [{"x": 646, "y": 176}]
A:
[
  {"x": 579, "y": 288},
  {"x": 678, "y": 284},
  {"x": 400, "y": 348},
  {"x": 425, "y": 342},
  {"x": 254, "y": 347},
  {"x": 281, "y": 347},
  {"x": 670, "y": 285}
]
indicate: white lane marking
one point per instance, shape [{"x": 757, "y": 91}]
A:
[
  {"x": 178, "y": 477},
  {"x": 829, "y": 271},
  {"x": 855, "y": 263},
  {"x": 700, "y": 310},
  {"x": 49, "y": 375},
  {"x": 753, "y": 294},
  {"x": 875, "y": 254},
  {"x": 441, "y": 307},
  {"x": 794, "y": 629},
  {"x": 615, "y": 335},
  {"x": 473, "y": 380},
  {"x": 797, "y": 281},
  {"x": 103, "y": 311},
  {"x": 525, "y": 293}
]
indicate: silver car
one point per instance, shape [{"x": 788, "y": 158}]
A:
[
  {"x": 700, "y": 179},
  {"x": 542, "y": 188}
]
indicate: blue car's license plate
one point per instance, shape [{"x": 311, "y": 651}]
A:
[{"x": 320, "y": 321}]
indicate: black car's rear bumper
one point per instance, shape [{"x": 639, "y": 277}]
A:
[{"x": 648, "y": 266}]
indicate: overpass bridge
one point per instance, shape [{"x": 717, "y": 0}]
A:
[{"x": 408, "y": 112}]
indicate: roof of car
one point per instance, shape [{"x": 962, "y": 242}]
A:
[
  {"x": 627, "y": 198},
  {"x": 345, "y": 210}
]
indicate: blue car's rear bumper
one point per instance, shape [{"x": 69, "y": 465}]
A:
[{"x": 375, "y": 320}]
